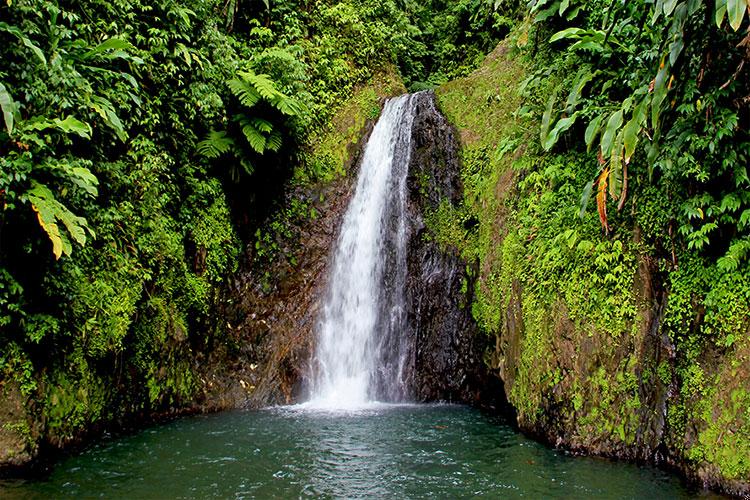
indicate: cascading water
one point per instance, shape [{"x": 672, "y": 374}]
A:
[{"x": 361, "y": 355}]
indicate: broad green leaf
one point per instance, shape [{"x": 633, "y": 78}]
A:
[
  {"x": 721, "y": 10},
  {"x": 613, "y": 125},
  {"x": 114, "y": 44},
  {"x": 244, "y": 91},
  {"x": 633, "y": 128},
  {"x": 105, "y": 109},
  {"x": 256, "y": 139},
  {"x": 584, "y": 76},
  {"x": 566, "y": 33},
  {"x": 262, "y": 125},
  {"x": 592, "y": 131},
  {"x": 49, "y": 212},
  {"x": 675, "y": 49},
  {"x": 547, "y": 118},
  {"x": 561, "y": 126},
  {"x": 274, "y": 141},
  {"x": 7, "y": 107},
  {"x": 736, "y": 12},
  {"x": 72, "y": 125},
  {"x": 563, "y": 6},
  {"x": 615, "y": 168},
  {"x": 668, "y": 6},
  {"x": 215, "y": 144}
]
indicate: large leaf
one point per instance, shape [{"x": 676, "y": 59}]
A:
[
  {"x": 49, "y": 212},
  {"x": 25, "y": 40},
  {"x": 721, "y": 11},
  {"x": 254, "y": 137},
  {"x": 547, "y": 118},
  {"x": 736, "y": 12},
  {"x": 632, "y": 130},
  {"x": 244, "y": 91},
  {"x": 7, "y": 106},
  {"x": 561, "y": 126},
  {"x": 73, "y": 125},
  {"x": 610, "y": 132},
  {"x": 106, "y": 110},
  {"x": 592, "y": 131}
]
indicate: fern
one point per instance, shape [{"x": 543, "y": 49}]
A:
[
  {"x": 244, "y": 91},
  {"x": 7, "y": 106},
  {"x": 215, "y": 144},
  {"x": 261, "y": 83},
  {"x": 254, "y": 137},
  {"x": 273, "y": 141}
]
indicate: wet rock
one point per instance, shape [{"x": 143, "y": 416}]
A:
[{"x": 449, "y": 351}]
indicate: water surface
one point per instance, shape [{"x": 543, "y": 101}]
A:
[{"x": 381, "y": 451}]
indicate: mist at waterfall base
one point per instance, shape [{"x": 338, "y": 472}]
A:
[{"x": 409, "y": 451}]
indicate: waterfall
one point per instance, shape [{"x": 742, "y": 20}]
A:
[{"x": 363, "y": 353}]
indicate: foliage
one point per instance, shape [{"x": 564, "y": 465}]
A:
[{"x": 660, "y": 85}]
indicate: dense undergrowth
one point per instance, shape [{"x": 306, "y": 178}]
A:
[{"x": 611, "y": 312}]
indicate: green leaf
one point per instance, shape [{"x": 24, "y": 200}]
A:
[
  {"x": 25, "y": 40},
  {"x": 613, "y": 125},
  {"x": 721, "y": 10},
  {"x": 566, "y": 33},
  {"x": 105, "y": 109},
  {"x": 72, "y": 125},
  {"x": 244, "y": 91},
  {"x": 736, "y": 12},
  {"x": 633, "y": 128},
  {"x": 273, "y": 142},
  {"x": 547, "y": 118},
  {"x": 584, "y": 76},
  {"x": 675, "y": 49},
  {"x": 256, "y": 139},
  {"x": 215, "y": 144},
  {"x": 114, "y": 44},
  {"x": 7, "y": 106},
  {"x": 49, "y": 212},
  {"x": 592, "y": 131},
  {"x": 668, "y": 6},
  {"x": 561, "y": 126}
]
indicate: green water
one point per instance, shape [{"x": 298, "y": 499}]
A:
[{"x": 383, "y": 452}]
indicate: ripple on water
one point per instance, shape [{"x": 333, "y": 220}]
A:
[{"x": 392, "y": 451}]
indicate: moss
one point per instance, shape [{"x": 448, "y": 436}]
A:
[
  {"x": 575, "y": 360},
  {"x": 330, "y": 150}
]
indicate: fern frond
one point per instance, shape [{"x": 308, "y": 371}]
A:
[
  {"x": 273, "y": 141},
  {"x": 262, "y": 125},
  {"x": 254, "y": 137},
  {"x": 262, "y": 84},
  {"x": 215, "y": 144},
  {"x": 244, "y": 91},
  {"x": 288, "y": 105}
]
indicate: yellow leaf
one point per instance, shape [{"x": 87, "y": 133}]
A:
[
  {"x": 52, "y": 231},
  {"x": 601, "y": 199}
]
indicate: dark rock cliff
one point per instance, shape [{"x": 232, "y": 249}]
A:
[{"x": 449, "y": 349}]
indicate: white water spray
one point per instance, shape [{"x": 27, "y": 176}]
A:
[{"x": 360, "y": 355}]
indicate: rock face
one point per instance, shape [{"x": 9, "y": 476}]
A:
[
  {"x": 449, "y": 349},
  {"x": 275, "y": 330}
]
